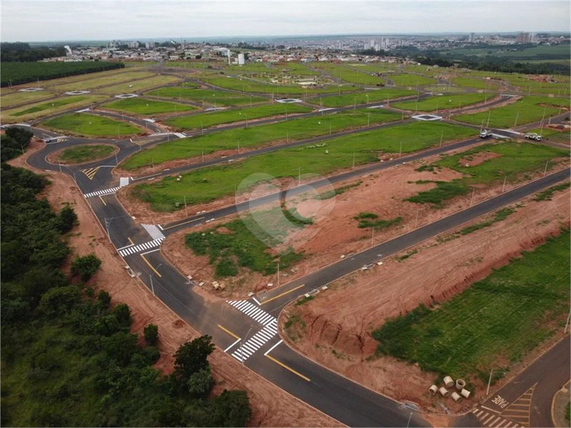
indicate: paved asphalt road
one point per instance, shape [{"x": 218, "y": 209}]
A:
[
  {"x": 527, "y": 398},
  {"x": 235, "y": 331}
]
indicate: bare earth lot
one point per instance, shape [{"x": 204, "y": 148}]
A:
[
  {"x": 335, "y": 233},
  {"x": 336, "y": 326},
  {"x": 271, "y": 406}
]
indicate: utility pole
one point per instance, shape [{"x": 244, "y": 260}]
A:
[
  {"x": 353, "y": 160},
  {"x": 504, "y": 185},
  {"x": 489, "y": 382},
  {"x": 152, "y": 286},
  {"x": 400, "y": 149},
  {"x": 185, "y": 207},
  {"x": 472, "y": 199},
  {"x": 298, "y": 175},
  {"x": 441, "y": 137},
  {"x": 545, "y": 170}
]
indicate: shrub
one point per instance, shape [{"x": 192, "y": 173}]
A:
[
  {"x": 85, "y": 267},
  {"x": 151, "y": 333}
]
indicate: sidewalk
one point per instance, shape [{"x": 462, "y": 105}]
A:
[{"x": 559, "y": 406}]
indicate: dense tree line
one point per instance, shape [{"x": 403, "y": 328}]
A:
[
  {"x": 16, "y": 73},
  {"x": 68, "y": 356},
  {"x": 22, "y": 52}
]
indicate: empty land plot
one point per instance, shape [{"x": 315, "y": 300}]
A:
[
  {"x": 85, "y": 153},
  {"x": 411, "y": 80},
  {"x": 495, "y": 162},
  {"x": 290, "y": 130},
  {"x": 205, "y": 120},
  {"x": 492, "y": 324},
  {"x": 140, "y": 85},
  {"x": 246, "y": 243},
  {"x": 443, "y": 88},
  {"x": 526, "y": 110},
  {"x": 208, "y": 184},
  {"x": 351, "y": 75},
  {"x": 256, "y": 87},
  {"x": 16, "y": 98},
  {"x": 206, "y": 96},
  {"x": 384, "y": 95},
  {"x": 103, "y": 80},
  {"x": 472, "y": 82},
  {"x": 442, "y": 102},
  {"x": 525, "y": 83},
  {"x": 146, "y": 107},
  {"x": 91, "y": 125},
  {"x": 41, "y": 109}
]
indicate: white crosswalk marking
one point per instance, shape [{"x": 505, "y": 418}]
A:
[
  {"x": 252, "y": 311},
  {"x": 102, "y": 192},
  {"x": 247, "y": 349},
  {"x": 493, "y": 420},
  {"x": 132, "y": 249}
]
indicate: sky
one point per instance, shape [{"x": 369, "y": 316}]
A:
[{"x": 53, "y": 20}]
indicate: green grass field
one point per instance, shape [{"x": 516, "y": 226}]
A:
[
  {"x": 247, "y": 243},
  {"x": 264, "y": 88},
  {"x": 146, "y": 107},
  {"x": 494, "y": 323},
  {"x": 48, "y": 105},
  {"x": 205, "y": 120},
  {"x": 15, "y": 98},
  {"x": 443, "y": 102},
  {"x": 208, "y": 184},
  {"x": 514, "y": 160},
  {"x": 471, "y": 82},
  {"x": 252, "y": 137},
  {"x": 41, "y": 109},
  {"x": 206, "y": 97},
  {"x": 367, "y": 97},
  {"x": 85, "y": 153},
  {"x": 139, "y": 85},
  {"x": 102, "y": 79},
  {"x": 526, "y": 110},
  {"x": 91, "y": 125},
  {"x": 411, "y": 80}
]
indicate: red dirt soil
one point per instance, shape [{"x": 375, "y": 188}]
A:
[
  {"x": 339, "y": 321},
  {"x": 334, "y": 232},
  {"x": 271, "y": 406}
]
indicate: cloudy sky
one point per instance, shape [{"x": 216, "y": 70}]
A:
[{"x": 52, "y": 20}]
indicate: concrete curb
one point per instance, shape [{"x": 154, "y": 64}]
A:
[{"x": 558, "y": 405}]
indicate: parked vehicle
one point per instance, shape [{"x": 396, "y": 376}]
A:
[
  {"x": 485, "y": 133},
  {"x": 533, "y": 136}
]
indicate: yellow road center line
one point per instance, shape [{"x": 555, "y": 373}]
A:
[
  {"x": 288, "y": 368},
  {"x": 151, "y": 266},
  {"x": 180, "y": 224},
  {"x": 104, "y": 203},
  {"x": 283, "y": 294},
  {"x": 131, "y": 241},
  {"x": 228, "y": 331}
]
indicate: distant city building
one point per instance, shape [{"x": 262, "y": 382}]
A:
[
  {"x": 526, "y": 38},
  {"x": 472, "y": 37},
  {"x": 149, "y": 45},
  {"x": 241, "y": 59}
]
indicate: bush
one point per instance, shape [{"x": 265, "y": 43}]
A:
[
  {"x": 85, "y": 267},
  {"x": 103, "y": 299},
  {"x": 151, "y": 333},
  {"x": 123, "y": 314},
  {"x": 67, "y": 219},
  {"x": 60, "y": 300},
  {"x": 200, "y": 383}
]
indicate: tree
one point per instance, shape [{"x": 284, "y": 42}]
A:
[
  {"x": 103, "y": 299},
  {"x": 121, "y": 347},
  {"x": 192, "y": 357},
  {"x": 231, "y": 409},
  {"x": 67, "y": 219},
  {"x": 60, "y": 300},
  {"x": 200, "y": 383},
  {"x": 151, "y": 333},
  {"x": 123, "y": 314},
  {"x": 85, "y": 266}
]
